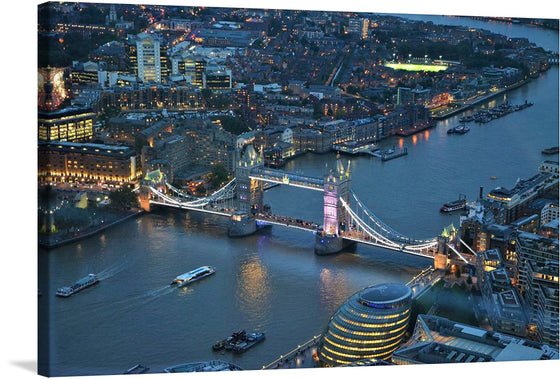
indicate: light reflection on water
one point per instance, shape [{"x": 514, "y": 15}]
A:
[
  {"x": 334, "y": 289},
  {"x": 253, "y": 291}
]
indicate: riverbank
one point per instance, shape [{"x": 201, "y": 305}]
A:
[
  {"x": 480, "y": 100},
  {"x": 49, "y": 245}
]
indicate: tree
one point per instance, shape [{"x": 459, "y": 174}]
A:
[
  {"x": 219, "y": 175},
  {"x": 123, "y": 198},
  {"x": 233, "y": 125},
  {"x": 46, "y": 197},
  {"x": 139, "y": 142}
]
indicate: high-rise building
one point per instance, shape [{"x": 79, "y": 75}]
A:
[
  {"x": 359, "y": 26},
  {"x": 404, "y": 96},
  {"x": 536, "y": 249},
  {"x": 147, "y": 57},
  {"x": 537, "y": 260},
  {"x": 543, "y": 298}
]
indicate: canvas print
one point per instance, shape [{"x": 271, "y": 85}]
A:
[{"x": 225, "y": 189}]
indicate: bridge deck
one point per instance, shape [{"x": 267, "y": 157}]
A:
[
  {"x": 207, "y": 209},
  {"x": 287, "y": 221},
  {"x": 365, "y": 239}
]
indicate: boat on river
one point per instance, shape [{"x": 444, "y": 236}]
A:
[
  {"x": 239, "y": 342},
  {"x": 81, "y": 284},
  {"x": 455, "y": 205},
  {"x": 193, "y": 276},
  {"x": 209, "y": 366}
]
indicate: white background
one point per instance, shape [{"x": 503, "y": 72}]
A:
[{"x": 18, "y": 225}]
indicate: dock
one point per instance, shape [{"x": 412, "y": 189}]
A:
[{"x": 387, "y": 155}]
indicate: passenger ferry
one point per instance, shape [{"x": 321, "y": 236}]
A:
[
  {"x": 456, "y": 205},
  {"x": 85, "y": 282},
  {"x": 193, "y": 276}
]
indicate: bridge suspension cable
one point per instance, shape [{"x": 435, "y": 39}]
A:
[
  {"x": 386, "y": 230},
  {"x": 458, "y": 254},
  {"x": 368, "y": 229},
  {"x": 223, "y": 193}
]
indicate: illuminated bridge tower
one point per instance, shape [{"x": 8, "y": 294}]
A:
[
  {"x": 249, "y": 194},
  {"x": 335, "y": 218}
]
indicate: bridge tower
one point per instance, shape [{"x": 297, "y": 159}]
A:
[
  {"x": 249, "y": 194},
  {"x": 335, "y": 218},
  {"x": 144, "y": 196},
  {"x": 441, "y": 256}
]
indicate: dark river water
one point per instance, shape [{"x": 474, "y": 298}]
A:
[{"x": 273, "y": 281}]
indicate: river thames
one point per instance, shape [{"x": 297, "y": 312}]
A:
[{"x": 272, "y": 281}]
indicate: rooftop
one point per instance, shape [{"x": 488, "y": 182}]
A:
[
  {"x": 521, "y": 186},
  {"x": 89, "y": 148},
  {"x": 440, "y": 340},
  {"x": 384, "y": 293}
]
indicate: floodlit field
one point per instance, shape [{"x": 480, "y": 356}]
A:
[{"x": 415, "y": 67}]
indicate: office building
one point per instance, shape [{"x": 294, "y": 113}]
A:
[
  {"x": 86, "y": 163},
  {"x": 512, "y": 201},
  {"x": 147, "y": 57},
  {"x": 370, "y": 324},
  {"x": 216, "y": 79},
  {"x": 68, "y": 124},
  {"x": 440, "y": 340}
]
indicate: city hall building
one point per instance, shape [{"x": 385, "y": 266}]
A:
[{"x": 370, "y": 324}]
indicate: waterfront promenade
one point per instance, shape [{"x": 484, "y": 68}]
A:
[{"x": 478, "y": 100}]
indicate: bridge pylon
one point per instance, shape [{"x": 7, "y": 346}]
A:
[
  {"x": 249, "y": 194},
  {"x": 335, "y": 218}
]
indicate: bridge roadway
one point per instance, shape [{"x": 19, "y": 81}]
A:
[
  {"x": 272, "y": 219},
  {"x": 264, "y": 218},
  {"x": 269, "y": 218},
  {"x": 365, "y": 238},
  {"x": 281, "y": 177},
  {"x": 211, "y": 208}
]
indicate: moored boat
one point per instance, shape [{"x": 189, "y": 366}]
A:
[
  {"x": 239, "y": 342},
  {"x": 453, "y": 206},
  {"x": 550, "y": 150},
  {"x": 209, "y": 366}
]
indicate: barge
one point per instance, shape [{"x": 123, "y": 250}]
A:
[{"x": 239, "y": 342}]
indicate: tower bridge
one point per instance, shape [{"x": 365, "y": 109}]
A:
[{"x": 346, "y": 219}]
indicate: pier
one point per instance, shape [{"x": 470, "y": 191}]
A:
[{"x": 303, "y": 351}]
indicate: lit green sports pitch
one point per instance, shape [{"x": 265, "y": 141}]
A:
[{"x": 415, "y": 67}]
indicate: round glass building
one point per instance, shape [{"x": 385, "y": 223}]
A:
[{"x": 370, "y": 324}]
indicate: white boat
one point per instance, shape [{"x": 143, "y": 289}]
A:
[
  {"x": 193, "y": 276},
  {"x": 85, "y": 282}
]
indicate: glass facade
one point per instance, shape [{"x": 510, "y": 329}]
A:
[{"x": 370, "y": 324}]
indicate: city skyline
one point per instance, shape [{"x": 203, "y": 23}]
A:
[
  {"x": 163, "y": 152},
  {"x": 149, "y": 108}
]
